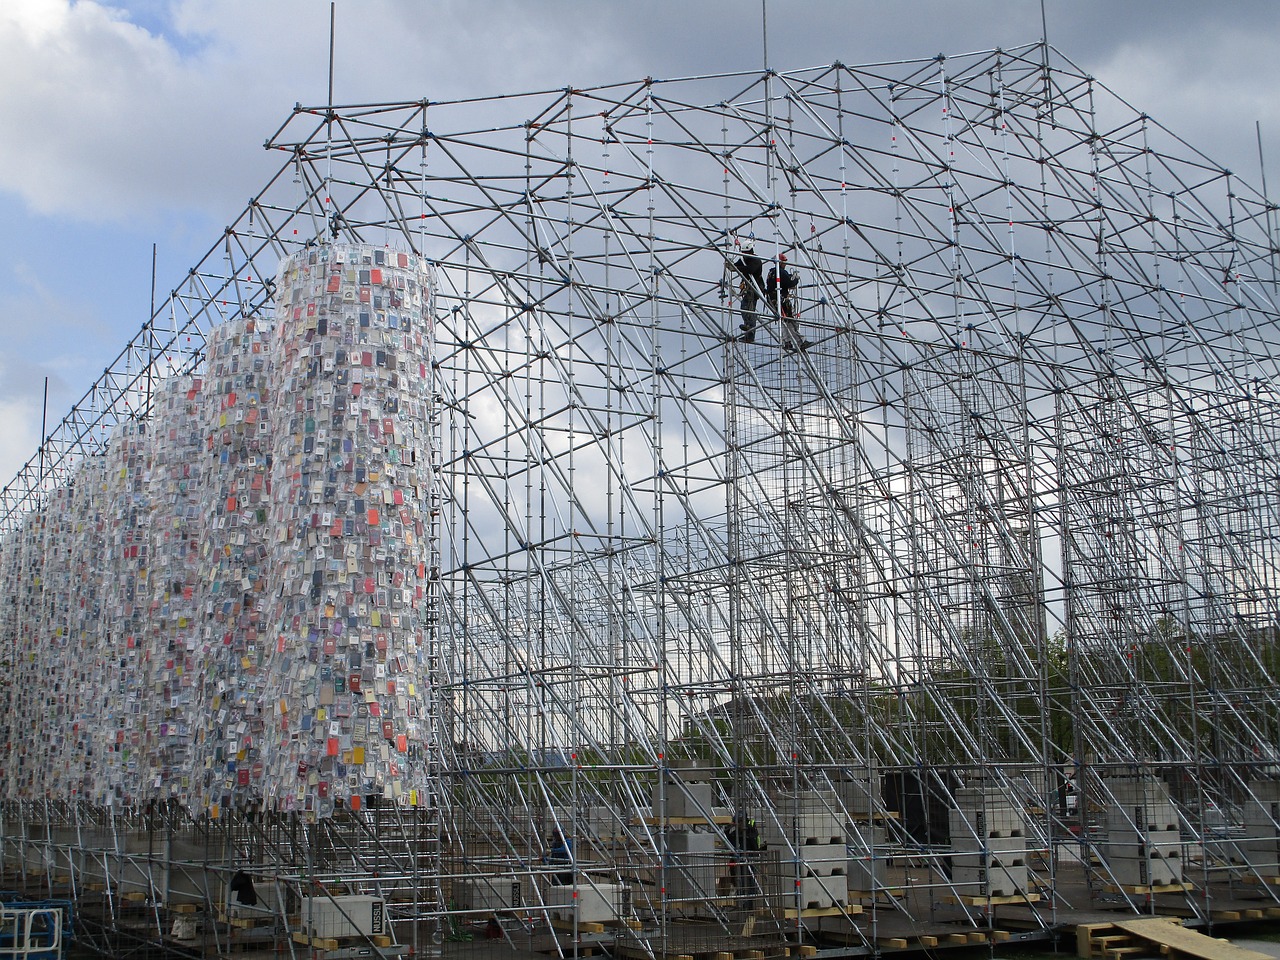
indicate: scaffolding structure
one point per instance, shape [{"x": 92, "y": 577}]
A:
[{"x": 965, "y": 605}]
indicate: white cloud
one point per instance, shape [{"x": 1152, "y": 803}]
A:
[
  {"x": 19, "y": 434},
  {"x": 107, "y": 121},
  {"x": 1207, "y": 87}
]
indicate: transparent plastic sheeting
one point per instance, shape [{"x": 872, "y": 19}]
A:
[{"x": 229, "y": 606}]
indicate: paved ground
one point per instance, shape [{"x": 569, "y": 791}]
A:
[{"x": 1270, "y": 947}]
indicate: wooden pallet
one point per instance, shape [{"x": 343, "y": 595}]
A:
[
  {"x": 886, "y": 892},
  {"x": 843, "y": 910},
  {"x": 1146, "y": 889},
  {"x": 1241, "y": 914},
  {"x": 992, "y": 901},
  {"x": 568, "y": 926},
  {"x": 336, "y": 943},
  {"x": 247, "y": 923},
  {"x": 640, "y": 953}
]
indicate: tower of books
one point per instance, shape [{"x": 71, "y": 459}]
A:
[
  {"x": 235, "y": 485},
  {"x": 350, "y": 497}
]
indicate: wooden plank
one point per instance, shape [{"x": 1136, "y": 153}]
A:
[
  {"x": 879, "y": 892},
  {"x": 791, "y": 913},
  {"x": 1144, "y": 889},
  {"x": 891, "y": 943},
  {"x": 1189, "y": 943},
  {"x": 992, "y": 901},
  {"x": 956, "y": 938},
  {"x": 928, "y": 941},
  {"x": 568, "y": 926},
  {"x": 976, "y": 936}
]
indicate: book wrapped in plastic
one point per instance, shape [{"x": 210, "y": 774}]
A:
[
  {"x": 118, "y": 774},
  {"x": 351, "y": 490},
  {"x": 171, "y": 636},
  {"x": 24, "y": 768},
  {"x": 234, "y": 565},
  {"x": 57, "y": 754},
  {"x": 87, "y": 664}
]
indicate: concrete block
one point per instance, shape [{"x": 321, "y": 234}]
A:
[
  {"x": 595, "y": 903},
  {"x": 1155, "y": 816},
  {"x": 1007, "y": 848},
  {"x": 346, "y": 916},
  {"x": 800, "y": 828},
  {"x": 694, "y": 864},
  {"x": 1262, "y": 856},
  {"x": 998, "y": 880},
  {"x": 862, "y": 836},
  {"x": 1136, "y": 851},
  {"x": 993, "y": 821},
  {"x": 822, "y": 859},
  {"x": 488, "y": 893},
  {"x": 822, "y": 892},
  {"x": 865, "y": 872},
  {"x": 1149, "y": 838},
  {"x": 1262, "y": 818},
  {"x": 683, "y": 799},
  {"x": 1141, "y": 871},
  {"x": 987, "y": 861},
  {"x": 1265, "y": 791},
  {"x": 860, "y": 797}
]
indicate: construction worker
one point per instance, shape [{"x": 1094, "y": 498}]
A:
[
  {"x": 750, "y": 288},
  {"x": 560, "y": 853},
  {"x": 744, "y": 840},
  {"x": 780, "y": 289}
]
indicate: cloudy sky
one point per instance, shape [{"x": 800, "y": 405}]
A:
[{"x": 125, "y": 123}]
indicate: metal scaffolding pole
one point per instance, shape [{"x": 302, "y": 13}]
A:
[{"x": 947, "y": 595}]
